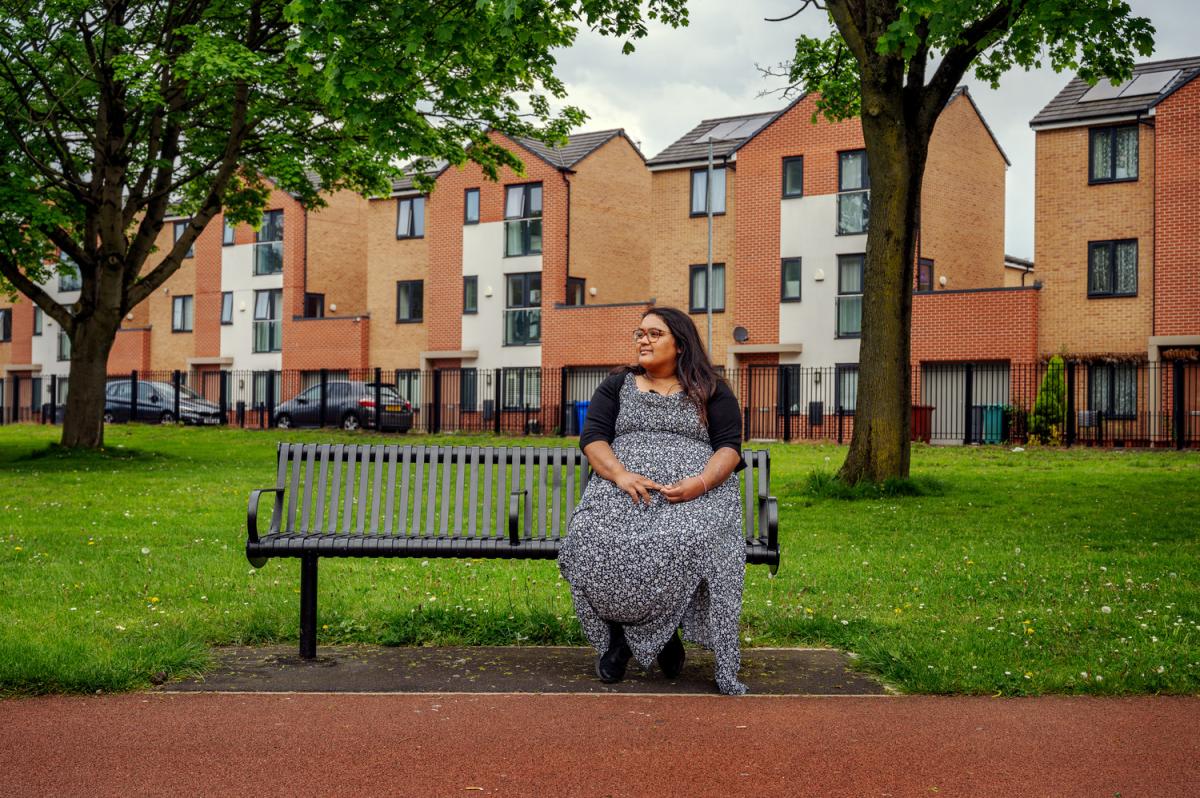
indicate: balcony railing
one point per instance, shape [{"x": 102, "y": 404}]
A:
[
  {"x": 522, "y": 326},
  {"x": 268, "y": 257}
]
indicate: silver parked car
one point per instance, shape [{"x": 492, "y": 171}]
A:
[{"x": 348, "y": 404}]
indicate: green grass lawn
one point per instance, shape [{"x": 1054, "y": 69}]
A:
[{"x": 1012, "y": 573}]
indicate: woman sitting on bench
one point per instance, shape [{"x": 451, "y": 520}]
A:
[{"x": 656, "y": 542}]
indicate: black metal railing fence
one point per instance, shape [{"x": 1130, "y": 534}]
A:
[{"x": 1096, "y": 403}]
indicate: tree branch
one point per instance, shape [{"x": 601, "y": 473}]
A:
[
  {"x": 956, "y": 60},
  {"x": 29, "y": 288}
]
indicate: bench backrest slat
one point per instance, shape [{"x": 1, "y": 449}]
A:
[
  {"x": 358, "y": 498},
  {"x": 486, "y": 512},
  {"x": 391, "y": 485},
  {"x": 406, "y": 459},
  {"x": 443, "y": 524},
  {"x": 297, "y": 466}
]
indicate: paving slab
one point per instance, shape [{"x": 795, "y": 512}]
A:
[{"x": 513, "y": 669}]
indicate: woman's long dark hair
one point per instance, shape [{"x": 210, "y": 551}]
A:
[{"x": 693, "y": 368}]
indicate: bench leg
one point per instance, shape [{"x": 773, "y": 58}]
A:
[{"x": 308, "y": 606}]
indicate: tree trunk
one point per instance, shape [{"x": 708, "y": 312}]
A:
[
  {"x": 83, "y": 425},
  {"x": 879, "y": 447}
]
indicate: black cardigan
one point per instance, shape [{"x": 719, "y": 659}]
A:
[{"x": 724, "y": 416}]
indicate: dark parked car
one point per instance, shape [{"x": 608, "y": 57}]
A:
[
  {"x": 156, "y": 402},
  {"x": 350, "y": 405}
]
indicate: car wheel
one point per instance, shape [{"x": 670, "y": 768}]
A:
[
  {"x": 109, "y": 418},
  {"x": 284, "y": 421},
  {"x": 350, "y": 422},
  {"x": 166, "y": 418}
]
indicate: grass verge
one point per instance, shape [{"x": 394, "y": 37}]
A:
[{"x": 992, "y": 571}]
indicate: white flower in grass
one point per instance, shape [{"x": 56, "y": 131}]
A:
[
  {"x": 1106, "y": 609},
  {"x": 1099, "y": 678},
  {"x": 145, "y": 550}
]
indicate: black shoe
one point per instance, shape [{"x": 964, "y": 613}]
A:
[
  {"x": 670, "y": 659},
  {"x": 611, "y": 666}
]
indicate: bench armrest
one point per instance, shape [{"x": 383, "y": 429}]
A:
[
  {"x": 768, "y": 521},
  {"x": 252, "y": 512},
  {"x": 514, "y": 519}
]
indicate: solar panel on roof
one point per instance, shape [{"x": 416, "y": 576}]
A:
[
  {"x": 1104, "y": 91},
  {"x": 1150, "y": 83},
  {"x": 751, "y": 126},
  {"x": 721, "y": 131},
  {"x": 736, "y": 129}
]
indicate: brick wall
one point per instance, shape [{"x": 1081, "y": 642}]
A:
[
  {"x": 388, "y": 260},
  {"x": 19, "y": 349},
  {"x": 610, "y": 224},
  {"x": 337, "y": 253},
  {"x": 1177, "y": 214},
  {"x": 975, "y": 325},
  {"x": 1068, "y": 213},
  {"x": 592, "y": 336},
  {"x": 962, "y": 201},
  {"x": 679, "y": 241},
  {"x": 168, "y": 349},
  {"x": 131, "y": 350},
  {"x": 332, "y": 343}
]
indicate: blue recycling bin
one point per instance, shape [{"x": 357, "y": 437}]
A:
[{"x": 581, "y": 409}]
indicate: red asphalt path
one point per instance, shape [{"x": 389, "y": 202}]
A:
[{"x": 598, "y": 745}]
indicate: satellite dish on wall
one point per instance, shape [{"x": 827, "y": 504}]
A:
[{"x": 741, "y": 335}]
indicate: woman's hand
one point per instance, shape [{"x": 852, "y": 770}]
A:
[
  {"x": 636, "y": 485},
  {"x": 684, "y": 490}
]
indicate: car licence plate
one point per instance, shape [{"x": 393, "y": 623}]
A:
[{"x": 393, "y": 408}]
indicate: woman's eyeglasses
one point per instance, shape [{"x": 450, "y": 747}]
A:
[{"x": 652, "y": 334}]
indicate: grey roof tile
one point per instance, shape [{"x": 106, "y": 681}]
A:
[
  {"x": 578, "y": 147},
  {"x": 1066, "y": 107}
]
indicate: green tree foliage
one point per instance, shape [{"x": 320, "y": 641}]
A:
[
  {"x": 114, "y": 113},
  {"x": 1050, "y": 407},
  {"x": 895, "y": 64}
]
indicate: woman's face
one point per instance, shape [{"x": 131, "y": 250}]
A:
[{"x": 656, "y": 347}]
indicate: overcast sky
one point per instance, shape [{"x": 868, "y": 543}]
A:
[{"x": 706, "y": 70}]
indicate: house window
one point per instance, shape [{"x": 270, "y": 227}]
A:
[
  {"x": 408, "y": 385},
  {"x": 268, "y": 327},
  {"x": 68, "y": 274},
  {"x": 64, "y": 345},
  {"x": 1113, "y": 154},
  {"x": 37, "y": 320},
  {"x": 468, "y": 389},
  {"x": 854, "y": 193},
  {"x": 266, "y": 388},
  {"x": 410, "y": 218},
  {"x": 846, "y": 387},
  {"x": 227, "y": 234},
  {"x": 523, "y": 388},
  {"x": 471, "y": 294},
  {"x": 523, "y": 309},
  {"x": 314, "y": 306},
  {"x": 227, "y": 307},
  {"x": 410, "y": 301},
  {"x": 849, "y": 299},
  {"x": 788, "y": 391},
  {"x": 1112, "y": 268},
  {"x": 5, "y": 324},
  {"x": 699, "y": 182},
  {"x": 697, "y": 301},
  {"x": 1112, "y": 389},
  {"x": 793, "y": 177},
  {"x": 180, "y": 229},
  {"x": 268, "y": 244},
  {"x": 576, "y": 290},
  {"x": 181, "y": 314},
  {"x": 924, "y": 274},
  {"x": 789, "y": 275},
  {"x": 471, "y": 206},
  {"x": 523, "y": 220}
]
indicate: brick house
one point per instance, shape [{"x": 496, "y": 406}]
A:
[
  {"x": 791, "y": 201},
  {"x": 517, "y": 274},
  {"x": 1117, "y": 229}
]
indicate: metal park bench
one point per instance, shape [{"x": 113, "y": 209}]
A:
[{"x": 444, "y": 501}]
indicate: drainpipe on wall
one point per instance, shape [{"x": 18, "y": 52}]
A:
[{"x": 567, "y": 275}]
